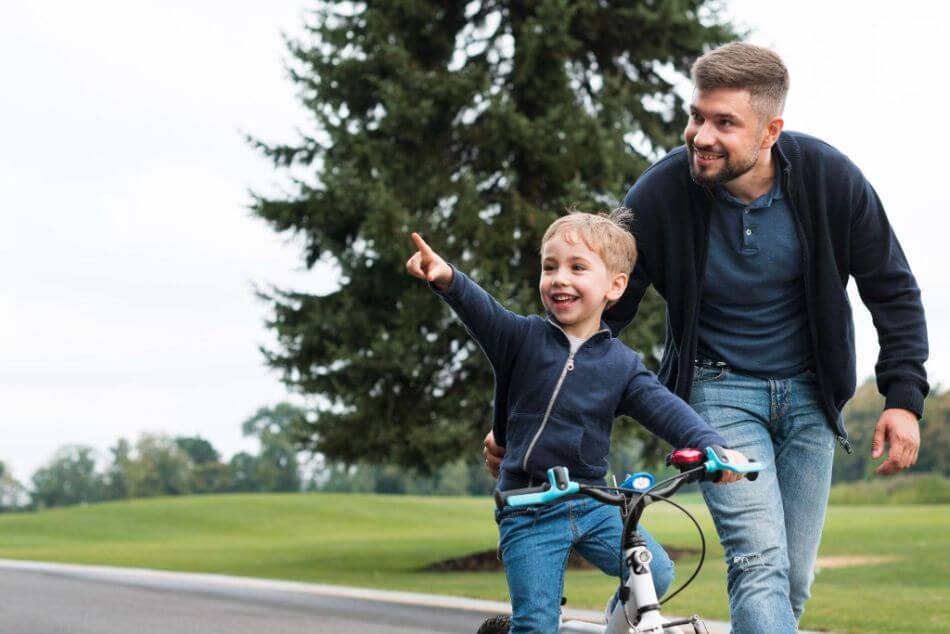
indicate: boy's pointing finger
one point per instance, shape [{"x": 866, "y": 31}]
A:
[{"x": 421, "y": 244}]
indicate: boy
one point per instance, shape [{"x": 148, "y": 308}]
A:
[{"x": 559, "y": 384}]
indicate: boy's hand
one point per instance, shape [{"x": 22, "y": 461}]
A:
[
  {"x": 427, "y": 265},
  {"x": 736, "y": 458}
]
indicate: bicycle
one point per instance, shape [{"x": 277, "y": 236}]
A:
[{"x": 638, "y": 609}]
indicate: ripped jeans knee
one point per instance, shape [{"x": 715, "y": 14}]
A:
[
  {"x": 744, "y": 562},
  {"x": 771, "y": 564}
]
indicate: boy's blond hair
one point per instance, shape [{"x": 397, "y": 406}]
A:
[{"x": 607, "y": 235}]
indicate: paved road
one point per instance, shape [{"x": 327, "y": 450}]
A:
[
  {"x": 34, "y": 602},
  {"x": 45, "y": 598}
]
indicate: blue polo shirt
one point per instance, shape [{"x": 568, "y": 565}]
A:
[{"x": 752, "y": 311}]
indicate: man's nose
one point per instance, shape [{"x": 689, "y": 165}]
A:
[{"x": 703, "y": 136}]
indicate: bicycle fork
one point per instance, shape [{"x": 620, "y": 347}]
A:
[{"x": 639, "y": 606}]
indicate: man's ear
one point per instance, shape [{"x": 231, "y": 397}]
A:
[
  {"x": 617, "y": 286},
  {"x": 772, "y": 131}
]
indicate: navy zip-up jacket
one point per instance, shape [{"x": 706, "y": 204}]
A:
[
  {"x": 554, "y": 408},
  {"x": 844, "y": 233}
]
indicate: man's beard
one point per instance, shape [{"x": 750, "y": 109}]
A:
[{"x": 729, "y": 172}]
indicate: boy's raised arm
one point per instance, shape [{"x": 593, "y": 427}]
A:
[{"x": 496, "y": 330}]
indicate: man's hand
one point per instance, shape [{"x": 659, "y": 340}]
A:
[
  {"x": 427, "y": 265},
  {"x": 493, "y": 455},
  {"x": 899, "y": 429},
  {"x": 735, "y": 458}
]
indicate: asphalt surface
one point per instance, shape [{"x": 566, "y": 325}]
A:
[
  {"x": 48, "y": 598},
  {"x": 35, "y": 602}
]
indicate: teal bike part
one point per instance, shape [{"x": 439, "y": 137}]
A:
[
  {"x": 553, "y": 493},
  {"x": 715, "y": 464}
]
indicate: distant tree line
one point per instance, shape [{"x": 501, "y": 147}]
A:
[{"x": 158, "y": 465}]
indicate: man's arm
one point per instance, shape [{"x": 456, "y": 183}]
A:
[
  {"x": 622, "y": 313},
  {"x": 889, "y": 290}
]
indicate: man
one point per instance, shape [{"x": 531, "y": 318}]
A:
[{"x": 750, "y": 234}]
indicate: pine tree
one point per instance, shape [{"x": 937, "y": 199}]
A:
[{"x": 476, "y": 124}]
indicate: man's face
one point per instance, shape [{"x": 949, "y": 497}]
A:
[{"x": 723, "y": 136}]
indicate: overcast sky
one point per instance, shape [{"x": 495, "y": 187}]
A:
[{"x": 129, "y": 256}]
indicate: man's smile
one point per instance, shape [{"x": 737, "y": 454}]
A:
[{"x": 705, "y": 156}]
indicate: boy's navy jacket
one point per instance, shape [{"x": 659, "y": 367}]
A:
[
  {"x": 844, "y": 233},
  {"x": 554, "y": 408}
]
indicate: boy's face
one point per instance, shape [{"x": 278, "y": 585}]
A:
[{"x": 576, "y": 285}]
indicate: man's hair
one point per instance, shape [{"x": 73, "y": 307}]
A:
[
  {"x": 607, "y": 235},
  {"x": 745, "y": 66}
]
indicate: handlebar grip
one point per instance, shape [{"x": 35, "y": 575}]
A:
[
  {"x": 501, "y": 497},
  {"x": 717, "y": 463},
  {"x": 558, "y": 485}
]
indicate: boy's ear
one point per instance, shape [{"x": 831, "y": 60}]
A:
[{"x": 617, "y": 287}]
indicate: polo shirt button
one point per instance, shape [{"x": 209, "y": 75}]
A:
[{"x": 748, "y": 232}]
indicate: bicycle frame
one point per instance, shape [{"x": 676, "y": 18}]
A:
[
  {"x": 638, "y": 610},
  {"x": 627, "y": 617}
]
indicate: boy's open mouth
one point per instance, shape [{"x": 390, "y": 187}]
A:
[{"x": 562, "y": 300}]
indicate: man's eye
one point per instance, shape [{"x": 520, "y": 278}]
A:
[{"x": 725, "y": 123}]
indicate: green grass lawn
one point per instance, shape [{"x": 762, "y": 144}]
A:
[{"x": 383, "y": 541}]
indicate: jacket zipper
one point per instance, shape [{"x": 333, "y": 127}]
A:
[
  {"x": 568, "y": 367},
  {"x": 787, "y": 178},
  {"x": 691, "y": 358}
]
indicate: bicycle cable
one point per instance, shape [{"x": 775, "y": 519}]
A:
[
  {"x": 702, "y": 552},
  {"x": 642, "y": 494}
]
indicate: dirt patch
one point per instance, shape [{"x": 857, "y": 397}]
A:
[
  {"x": 849, "y": 561},
  {"x": 487, "y": 561}
]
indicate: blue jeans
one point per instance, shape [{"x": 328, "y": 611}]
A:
[
  {"x": 536, "y": 542},
  {"x": 770, "y": 529}
]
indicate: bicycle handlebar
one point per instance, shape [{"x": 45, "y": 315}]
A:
[
  {"x": 687, "y": 460},
  {"x": 717, "y": 463}
]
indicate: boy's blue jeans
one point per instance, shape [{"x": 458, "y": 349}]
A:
[
  {"x": 770, "y": 529},
  {"x": 536, "y": 542}
]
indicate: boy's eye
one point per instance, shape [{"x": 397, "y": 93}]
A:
[{"x": 579, "y": 267}]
